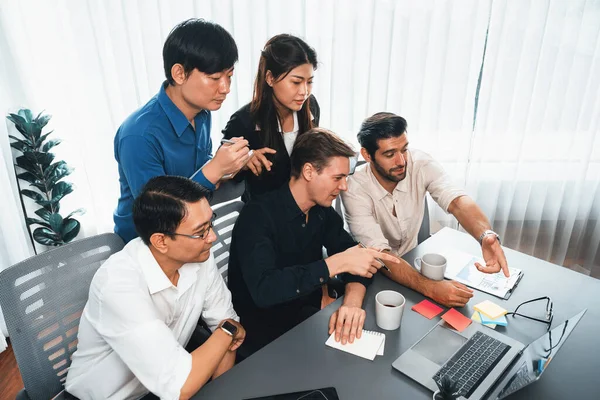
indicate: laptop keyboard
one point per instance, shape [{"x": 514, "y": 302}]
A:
[{"x": 471, "y": 364}]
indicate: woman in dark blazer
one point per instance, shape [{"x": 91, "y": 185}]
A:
[{"x": 282, "y": 108}]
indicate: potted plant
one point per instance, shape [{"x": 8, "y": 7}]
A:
[
  {"x": 44, "y": 175},
  {"x": 447, "y": 389}
]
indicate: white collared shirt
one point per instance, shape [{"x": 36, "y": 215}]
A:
[
  {"x": 289, "y": 138},
  {"x": 370, "y": 209},
  {"x": 135, "y": 325}
]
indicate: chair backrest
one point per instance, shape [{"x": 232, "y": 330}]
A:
[
  {"x": 227, "y": 191},
  {"x": 226, "y": 216},
  {"x": 42, "y": 299}
]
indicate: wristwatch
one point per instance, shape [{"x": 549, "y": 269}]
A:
[
  {"x": 489, "y": 232},
  {"x": 229, "y": 328}
]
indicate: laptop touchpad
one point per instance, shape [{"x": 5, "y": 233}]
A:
[{"x": 439, "y": 345}]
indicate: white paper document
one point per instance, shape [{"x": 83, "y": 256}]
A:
[{"x": 461, "y": 267}]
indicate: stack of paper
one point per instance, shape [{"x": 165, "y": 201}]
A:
[{"x": 369, "y": 345}]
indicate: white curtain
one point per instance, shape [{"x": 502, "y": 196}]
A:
[{"x": 503, "y": 93}]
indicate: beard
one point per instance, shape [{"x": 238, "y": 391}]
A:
[{"x": 389, "y": 175}]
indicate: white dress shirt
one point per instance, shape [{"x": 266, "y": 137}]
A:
[
  {"x": 370, "y": 209},
  {"x": 135, "y": 325}
]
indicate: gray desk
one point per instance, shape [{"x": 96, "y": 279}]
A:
[{"x": 300, "y": 360}]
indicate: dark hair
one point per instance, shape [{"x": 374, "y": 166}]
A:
[
  {"x": 316, "y": 147},
  {"x": 161, "y": 206},
  {"x": 282, "y": 53},
  {"x": 383, "y": 125},
  {"x": 199, "y": 44}
]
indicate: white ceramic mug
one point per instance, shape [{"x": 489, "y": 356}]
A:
[
  {"x": 389, "y": 306},
  {"x": 432, "y": 265}
]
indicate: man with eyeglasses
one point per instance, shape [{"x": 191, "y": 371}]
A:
[{"x": 145, "y": 302}]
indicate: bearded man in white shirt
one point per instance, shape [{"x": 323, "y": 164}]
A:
[
  {"x": 385, "y": 202},
  {"x": 145, "y": 302}
]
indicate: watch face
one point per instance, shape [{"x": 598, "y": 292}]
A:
[{"x": 230, "y": 327}]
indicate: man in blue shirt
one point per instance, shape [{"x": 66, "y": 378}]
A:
[{"x": 170, "y": 135}]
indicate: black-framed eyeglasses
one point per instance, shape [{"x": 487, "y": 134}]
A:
[
  {"x": 549, "y": 312},
  {"x": 201, "y": 235}
]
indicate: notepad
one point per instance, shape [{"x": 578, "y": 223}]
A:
[
  {"x": 498, "y": 321},
  {"x": 490, "y": 309},
  {"x": 369, "y": 345},
  {"x": 456, "y": 320},
  {"x": 427, "y": 309},
  {"x": 477, "y": 318}
]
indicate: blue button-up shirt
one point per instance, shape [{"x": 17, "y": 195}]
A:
[{"x": 158, "y": 140}]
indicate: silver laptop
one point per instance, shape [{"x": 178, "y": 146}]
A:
[{"x": 485, "y": 363}]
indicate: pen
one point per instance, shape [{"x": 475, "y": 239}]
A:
[
  {"x": 380, "y": 262},
  {"x": 229, "y": 141}
]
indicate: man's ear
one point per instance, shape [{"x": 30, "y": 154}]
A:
[
  {"x": 365, "y": 154},
  {"x": 178, "y": 74},
  {"x": 157, "y": 240},
  {"x": 308, "y": 171}
]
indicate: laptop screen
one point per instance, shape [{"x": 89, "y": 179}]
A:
[{"x": 538, "y": 355}]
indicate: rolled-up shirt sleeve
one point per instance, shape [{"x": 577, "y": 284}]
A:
[
  {"x": 360, "y": 215},
  {"x": 268, "y": 283},
  {"x": 217, "y": 305},
  {"x": 439, "y": 184},
  {"x": 127, "y": 320}
]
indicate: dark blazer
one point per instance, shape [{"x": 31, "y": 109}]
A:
[{"x": 241, "y": 124}]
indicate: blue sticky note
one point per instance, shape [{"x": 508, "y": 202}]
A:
[{"x": 498, "y": 321}]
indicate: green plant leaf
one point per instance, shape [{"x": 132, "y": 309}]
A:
[
  {"x": 26, "y": 164},
  {"x": 44, "y": 214},
  {"x": 39, "y": 142},
  {"x": 42, "y": 120},
  {"x": 47, "y": 237},
  {"x": 56, "y": 222},
  {"x": 28, "y": 177},
  {"x": 79, "y": 211},
  {"x": 26, "y": 114},
  {"x": 50, "y": 144},
  {"x": 38, "y": 157},
  {"x": 52, "y": 167},
  {"x": 61, "y": 189},
  {"x": 58, "y": 174},
  {"x": 31, "y": 221},
  {"x": 70, "y": 229},
  {"x": 16, "y": 119},
  {"x": 33, "y": 195},
  {"x": 26, "y": 143}
]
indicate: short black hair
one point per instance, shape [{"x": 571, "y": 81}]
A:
[
  {"x": 383, "y": 125},
  {"x": 161, "y": 206},
  {"x": 199, "y": 44},
  {"x": 317, "y": 146}
]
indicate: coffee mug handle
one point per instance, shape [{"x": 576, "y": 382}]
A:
[{"x": 418, "y": 263}]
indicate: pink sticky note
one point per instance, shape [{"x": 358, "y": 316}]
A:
[
  {"x": 427, "y": 309},
  {"x": 456, "y": 320}
]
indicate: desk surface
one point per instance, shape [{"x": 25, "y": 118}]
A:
[{"x": 300, "y": 360}]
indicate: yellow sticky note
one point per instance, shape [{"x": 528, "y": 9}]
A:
[
  {"x": 477, "y": 318},
  {"x": 492, "y": 310}
]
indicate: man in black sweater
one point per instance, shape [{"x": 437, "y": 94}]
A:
[{"x": 277, "y": 274}]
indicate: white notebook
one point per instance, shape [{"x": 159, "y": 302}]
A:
[{"x": 369, "y": 345}]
